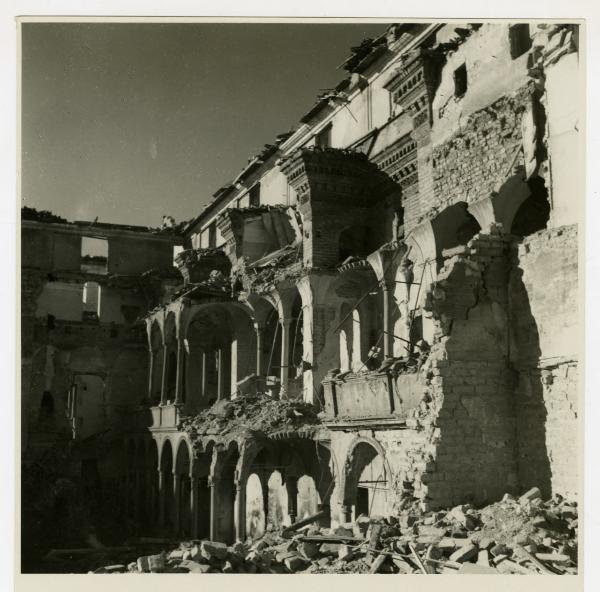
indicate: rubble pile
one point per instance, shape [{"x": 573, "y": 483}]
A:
[
  {"x": 254, "y": 414},
  {"x": 514, "y": 536}
]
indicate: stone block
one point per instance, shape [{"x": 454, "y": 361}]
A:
[
  {"x": 295, "y": 562},
  {"x": 212, "y": 550},
  {"x": 530, "y": 495},
  {"x": 194, "y": 567},
  {"x": 465, "y": 553},
  {"x": 345, "y": 553}
]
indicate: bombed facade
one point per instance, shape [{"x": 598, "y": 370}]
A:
[{"x": 378, "y": 315}]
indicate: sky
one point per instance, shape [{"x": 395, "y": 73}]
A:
[{"x": 128, "y": 122}]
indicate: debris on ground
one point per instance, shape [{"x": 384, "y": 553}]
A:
[{"x": 513, "y": 536}]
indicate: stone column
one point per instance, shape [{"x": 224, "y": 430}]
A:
[
  {"x": 388, "y": 330},
  {"x": 285, "y": 357},
  {"x": 194, "y": 504},
  {"x": 176, "y": 501},
  {"x": 151, "y": 373},
  {"x": 163, "y": 386},
  {"x": 161, "y": 499},
  {"x": 240, "y": 511},
  {"x": 259, "y": 354},
  {"x": 291, "y": 484},
  {"x": 220, "y": 375},
  {"x": 204, "y": 379},
  {"x": 179, "y": 386},
  {"x": 213, "y": 483}
]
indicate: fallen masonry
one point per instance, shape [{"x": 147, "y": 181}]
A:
[
  {"x": 514, "y": 536},
  {"x": 348, "y": 357}
]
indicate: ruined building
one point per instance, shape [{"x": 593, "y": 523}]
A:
[{"x": 379, "y": 311}]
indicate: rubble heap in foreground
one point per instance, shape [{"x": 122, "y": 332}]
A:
[{"x": 513, "y": 536}]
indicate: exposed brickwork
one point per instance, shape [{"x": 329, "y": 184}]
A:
[
  {"x": 544, "y": 290},
  {"x": 478, "y": 156}
]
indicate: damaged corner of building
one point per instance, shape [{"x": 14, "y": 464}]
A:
[{"x": 375, "y": 373}]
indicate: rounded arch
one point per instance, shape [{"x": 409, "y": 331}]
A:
[
  {"x": 452, "y": 227},
  {"x": 183, "y": 456},
  {"x": 367, "y": 477}
]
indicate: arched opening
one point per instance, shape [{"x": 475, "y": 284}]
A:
[
  {"x": 270, "y": 353},
  {"x": 202, "y": 466},
  {"x": 209, "y": 339},
  {"x": 166, "y": 468},
  {"x": 367, "y": 482},
  {"x": 452, "y": 227},
  {"x": 183, "y": 489},
  {"x": 140, "y": 484},
  {"x": 152, "y": 480},
  {"x": 171, "y": 357},
  {"x": 360, "y": 325},
  {"x": 255, "y": 508},
  {"x": 277, "y": 501},
  {"x": 345, "y": 337},
  {"x": 534, "y": 213},
  {"x": 356, "y": 242},
  {"x": 296, "y": 349},
  {"x": 131, "y": 497},
  {"x": 225, "y": 525}
]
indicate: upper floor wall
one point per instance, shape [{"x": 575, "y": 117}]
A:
[{"x": 475, "y": 65}]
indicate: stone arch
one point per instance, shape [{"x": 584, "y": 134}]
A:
[
  {"x": 452, "y": 227},
  {"x": 167, "y": 497},
  {"x": 363, "y": 491},
  {"x": 182, "y": 470},
  {"x": 152, "y": 480}
]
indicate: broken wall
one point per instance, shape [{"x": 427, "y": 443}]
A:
[{"x": 545, "y": 341}]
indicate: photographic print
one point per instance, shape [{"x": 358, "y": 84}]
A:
[{"x": 300, "y": 297}]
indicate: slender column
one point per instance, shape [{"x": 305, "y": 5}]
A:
[
  {"x": 220, "y": 375},
  {"x": 163, "y": 386},
  {"x": 151, "y": 373},
  {"x": 259, "y": 353},
  {"x": 291, "y": 484},
  {"x": 388, "y": 335},
  {"x": 204, "y": 380},
  {"x": 213, "y": 483},
  {"x": 179, "y": 377},
  {"x": 285, "y": 357},
  {"x": 161, "y": 498},
  {"x": 240, "y": 511},
  {"x": 176, "y": 501},
  {"x": 194, "y": 505}
]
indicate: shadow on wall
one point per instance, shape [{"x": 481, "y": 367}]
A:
[{"x": 533, "y": 463}]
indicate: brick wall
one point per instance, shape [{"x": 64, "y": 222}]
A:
[
  {"x": 467, "y": 166},
  {"x": 544, "y": 312}
]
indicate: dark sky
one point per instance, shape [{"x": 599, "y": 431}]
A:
[{"x": 128, "y": 122}]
